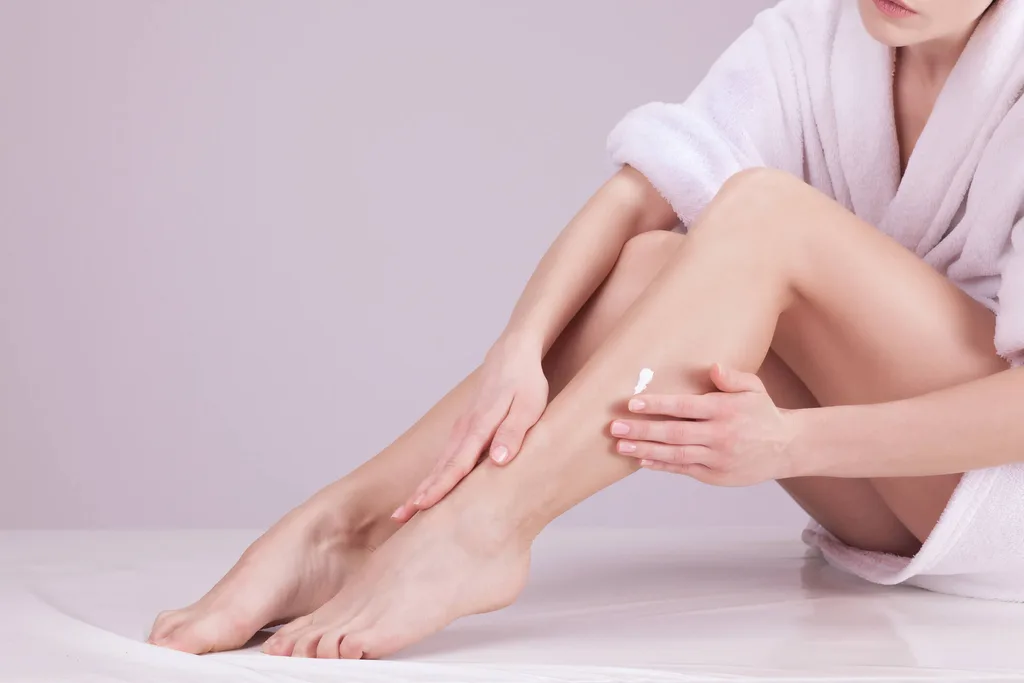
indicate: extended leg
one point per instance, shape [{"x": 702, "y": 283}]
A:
[
  {"x": 771, "y": 259},
  {"x": 303, "y": 560}
]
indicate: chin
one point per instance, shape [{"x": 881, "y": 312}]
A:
[{"x": 885, "y": 30}]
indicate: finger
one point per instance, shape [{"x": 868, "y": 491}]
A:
[
  {"x": 655, "y": 466},
  {"x": 686, "y": 406},
  {"x": 441, "y": 484},
  {"x": 699, "y": 472},
  {"x": 733, "y": 381},
  {"x": 409, "y": 508},
  {"x": 508, "y": 439},
  {"x": 681, "y": 432},
  {"x": 454, "y": 469},
  {"x": 406, "y": 510},
  {"x": 671, "y": 455}
]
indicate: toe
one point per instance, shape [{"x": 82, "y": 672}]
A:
[
  {"x": 282, "y": 642},
  {"x": 164, "y": 623},
  {"x": 327, "y": 648},
  {"x": 212, "y": 632},
  {"x": 187, "y": 638},
  {"x": 381, "y": 638},
  {"x": 352, "y": 646},
  {"x": 306, "y": 643}
]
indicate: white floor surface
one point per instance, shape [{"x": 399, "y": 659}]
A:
[{"x": 601, "y": 605}]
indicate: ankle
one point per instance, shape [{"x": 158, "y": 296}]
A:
[
  {"x": 480, "y": 526},
  {"x": 494, "y": 511},
  {"x": 539, "y": 485}
]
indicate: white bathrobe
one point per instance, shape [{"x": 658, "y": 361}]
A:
[{"x": 807, "y": 90}]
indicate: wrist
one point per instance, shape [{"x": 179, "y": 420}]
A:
[
  {"x": 518, "y": 343},
  {"x": 808, "y": 449}
]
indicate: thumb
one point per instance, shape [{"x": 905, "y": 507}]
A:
[
  {"x": 507, "y": 441},
  {"x": 734, "y": 381}
]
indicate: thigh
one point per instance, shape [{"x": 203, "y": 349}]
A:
[
  {"x": 851, "y": 509},
  {"x": 871, "y": 322}
]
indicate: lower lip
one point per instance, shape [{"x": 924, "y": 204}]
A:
[{"x": 889, "y": 8}]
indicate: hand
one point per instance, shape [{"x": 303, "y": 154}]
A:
[
  {"x": 512, "y": 394},
  {"x": 732, "y": 437}
]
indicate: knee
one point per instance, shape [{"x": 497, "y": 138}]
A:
[
  {"x": 760, "y": 186},
  {"x": 755, "y": 199},
  {"x": 763, "y": 212},
  {"x": 644, "y": 255}
]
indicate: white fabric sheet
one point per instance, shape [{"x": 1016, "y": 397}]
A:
[{"x": 601, "y": 605}]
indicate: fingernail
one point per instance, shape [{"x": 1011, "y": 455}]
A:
[
  {"x": 499, "y": 454},
  {"x": 419, "y": 499},
  {"x": 646, "y": 463},
  {"x": 620, "y": 428},
  {"x": 627, "y": 447},
  {"x": 637, "y": 404},
  {"x": 397, "y": 512}
]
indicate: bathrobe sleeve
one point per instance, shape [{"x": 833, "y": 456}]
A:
[{"x": 749, "y": 111}]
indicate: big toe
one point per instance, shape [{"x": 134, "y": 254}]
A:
[
  {"x": 166, "y": 622},
  {"x": 283, "y": 642},
  {"x": 186, "y": 638},
  {"x": 374, "y": 642},
  {"x": 212, "y": 632}
]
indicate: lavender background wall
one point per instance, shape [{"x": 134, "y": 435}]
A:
[{"x": 244, "y": 244}]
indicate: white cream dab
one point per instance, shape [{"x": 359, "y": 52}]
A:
[{"x": 646, "y": 375}]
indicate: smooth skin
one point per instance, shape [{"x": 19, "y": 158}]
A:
[
  {"x": 871, "y": 395},
  {"x": 760, "y": 275}
]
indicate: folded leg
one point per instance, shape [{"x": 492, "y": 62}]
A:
[{"x": 772, "y": 264}]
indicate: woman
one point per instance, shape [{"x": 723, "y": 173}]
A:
[{"x": 829, "y": 321}]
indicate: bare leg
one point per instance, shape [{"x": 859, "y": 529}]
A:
[
  {"x": 305, "y": 558},
  {"x": 851, "y": 509},
  {"x": 772, "y": 264}
]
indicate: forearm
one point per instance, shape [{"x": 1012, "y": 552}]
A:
[
  {"x": 582, "y": 256},
  {"x": 968, "y": 427}
]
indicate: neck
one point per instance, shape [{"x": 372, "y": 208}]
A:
[{"x": 934, "y": 59}]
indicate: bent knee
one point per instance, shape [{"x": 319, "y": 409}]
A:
[
  {"x": 759, "y": 197},
  {"x": 769, "y": 211},
  {"x": 761, "y": 184}
]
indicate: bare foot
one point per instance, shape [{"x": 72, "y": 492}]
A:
[
  {"x": 448, "y": 562},
  {"x": 290, "y": 570}
]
